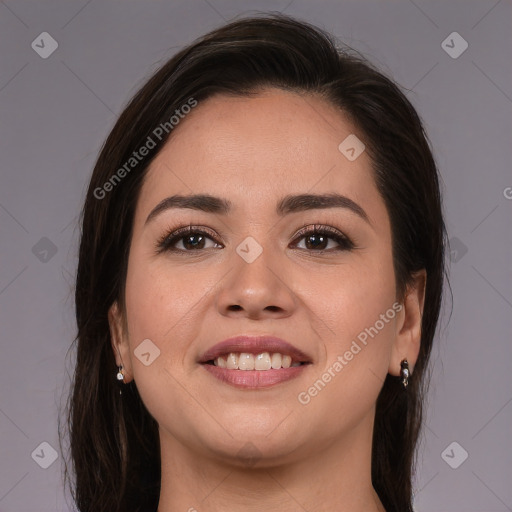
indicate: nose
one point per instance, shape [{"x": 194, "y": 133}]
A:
[{"x": 256, "y": 290}]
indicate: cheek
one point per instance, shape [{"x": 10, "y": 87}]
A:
[
  {"x": 159, "y": 299},
  {"x": 356, "y": 321},
  {"x": 160, "y": 304},
  {"x": 348, "y": 298}
]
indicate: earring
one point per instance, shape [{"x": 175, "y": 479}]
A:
[
  {"x": 404, "y": 372},
  {"x": 120, "y": 376}
]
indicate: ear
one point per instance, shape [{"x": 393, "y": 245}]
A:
[
  {"x": 408, "y": 337},
  {"x": 119, "y": 340}
]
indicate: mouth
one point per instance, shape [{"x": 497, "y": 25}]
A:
[
  {"x": 254, "y": 362},
  {"x": 264, "y": 361}
]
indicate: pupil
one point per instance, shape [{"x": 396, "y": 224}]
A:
[
  {"x": 189, "y": 239},
  {"x": 318, "y": 238}
]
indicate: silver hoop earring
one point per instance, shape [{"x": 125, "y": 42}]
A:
[
  {"x": 404, "y": 372},
  {"x": 120, "y": 377}
]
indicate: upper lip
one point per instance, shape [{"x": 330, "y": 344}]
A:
[{"x": 254, "y": 345}]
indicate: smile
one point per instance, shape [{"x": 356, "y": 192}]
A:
[
  {"x": 262, "y": 362},
  {"x": 254, "y": 371}
]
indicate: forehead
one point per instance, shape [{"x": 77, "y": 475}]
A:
[{"x": 257, "y": 149}]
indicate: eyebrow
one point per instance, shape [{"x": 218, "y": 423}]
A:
[{"x": 288, "y": 204}]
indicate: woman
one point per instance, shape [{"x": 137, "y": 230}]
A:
[{"x": 259, "y": 281}]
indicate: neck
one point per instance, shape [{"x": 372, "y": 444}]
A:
[{"x": 335, "y": 477}]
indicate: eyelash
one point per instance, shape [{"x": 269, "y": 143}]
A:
[{"x": 166, "y": 242}]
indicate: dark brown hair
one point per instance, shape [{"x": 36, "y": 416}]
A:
[{"x": 113, "y": 440}]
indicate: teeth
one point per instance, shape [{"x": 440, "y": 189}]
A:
[
  {"x": 263, "y": 361},
  {"x": 246, "y": 361},
  {"x": 286, "y": 361},
  {"x": 276, "y": 361},
  {"x": 232, "y": 362}
]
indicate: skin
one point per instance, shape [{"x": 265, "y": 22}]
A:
[{"x": 315, "y": 457}]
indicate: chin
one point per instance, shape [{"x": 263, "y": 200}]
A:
[{"x": 256, "y": 453}]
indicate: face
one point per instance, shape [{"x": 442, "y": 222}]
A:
[{"x": 257, "y": 270}]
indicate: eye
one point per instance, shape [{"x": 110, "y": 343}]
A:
[
  {"x": 317, "y": 239},
  {"x": 191, "y": 239}
]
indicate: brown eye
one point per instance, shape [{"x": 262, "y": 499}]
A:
[
  {"x": 190, "y": 238},
  {"x": 318, "y": 238}
]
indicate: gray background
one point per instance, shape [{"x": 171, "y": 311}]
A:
[{"x": 56, "y": 112}]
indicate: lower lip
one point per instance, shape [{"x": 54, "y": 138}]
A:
[{"x": 254, "y": 379}]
